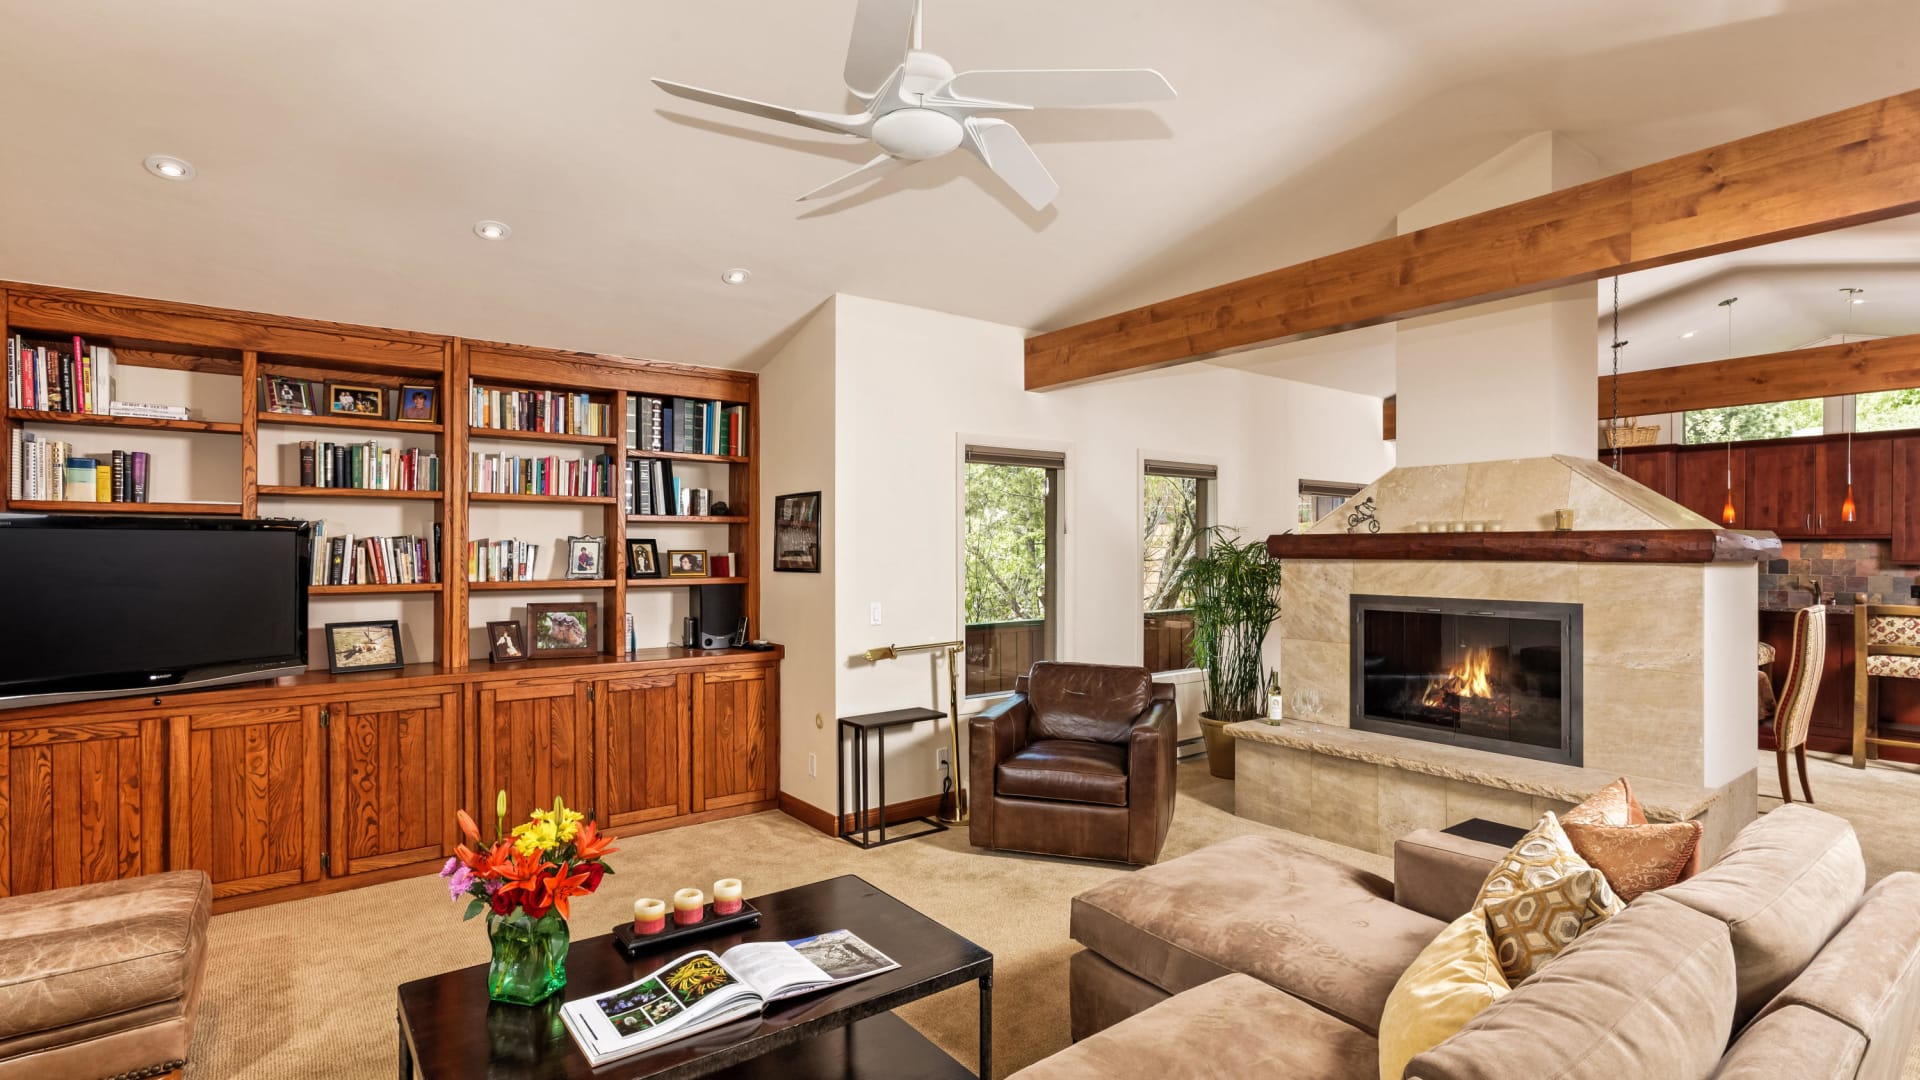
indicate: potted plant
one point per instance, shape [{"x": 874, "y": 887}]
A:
[{"x": 1236, "y": 598}]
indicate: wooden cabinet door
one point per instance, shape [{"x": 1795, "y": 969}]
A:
[
  {"x": 1700, "y": 483},
  {"x": 1653, "y": 468},
  {"x": 246, "y": 802},
  {"x": 1872, "y": 488},
  {"x": 535, "y": 743},
  {"x": 81, "y": 803},
  {"x": 393, "y": 783},
  {"x": 734, "y": 739},
  {"x": 1906, "y": 514},
  {"x": 1783, "y": 488},
  {"x": 641, "y": 748}
]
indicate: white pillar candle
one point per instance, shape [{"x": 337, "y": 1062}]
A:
[
  {"x": 726, "y": 896},
  {"x": 649, "y": 915},
  {"x": 689, "y": 907}
]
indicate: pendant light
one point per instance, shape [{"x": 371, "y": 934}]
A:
[
  {"x": 1727, "y": 513},
  {"x": 1848, "y": 511}
]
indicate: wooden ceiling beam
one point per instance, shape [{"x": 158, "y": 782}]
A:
[
  {"x": 1847, "y": 168},
  {"x": 1857, "y": 367}
]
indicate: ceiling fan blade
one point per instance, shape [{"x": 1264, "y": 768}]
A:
[
  {"x": 996, "y": 143},
  {"x": 841, "y": 125},
  {"x": 1061, "y": 89},
  {"x": 883, "y": 31},
  {"x": 871, "y": 171}
]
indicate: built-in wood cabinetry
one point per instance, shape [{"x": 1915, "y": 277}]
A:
[
  {"x": 735, "y": 750},
  {"x": 645, "y": 732},
  {"x": 81, "y": 802},
  {"x": 244, "y": 798},
  {"x": 394, "y": 778}
]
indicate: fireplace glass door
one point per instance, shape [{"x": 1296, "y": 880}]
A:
[{"x": 1501, "y": 677}]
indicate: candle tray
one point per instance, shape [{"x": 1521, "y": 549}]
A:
[{"x": 632, "y": 945}]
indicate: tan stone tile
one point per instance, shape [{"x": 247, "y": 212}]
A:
[
  {"x": 1313, "y": 601},
  {"x": 1521, "y": 495},
  {"x": 1468, "y": 800},
  {"x": 1273, "y": 784},
  {"x": 1410, "y": 801},
  {"x": 1407, "y": 496},
  {"x": 1313, "y": 679},
  {"x": 1346, "y": 803},
  {"x": 1596, "y": 507},
  {"x": 1643, "y": 616},
  {"x": 1666, "y": 513},
  {"x": 1543, "y": 805},
  {"x": 1643, "y": 723}
]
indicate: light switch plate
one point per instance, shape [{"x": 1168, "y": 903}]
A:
[{"x": 873, "y": 612}]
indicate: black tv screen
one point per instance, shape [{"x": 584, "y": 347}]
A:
[{"x": 96, "y": 606}]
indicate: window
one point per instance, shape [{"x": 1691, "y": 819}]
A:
[
  {"x": 1174, "y": 516},
  {"x": 1318, "y": 498},
  {"x": 1773, "y": 420},
  {"x": 1012, "y": 563},
  {"x": 1886, "y": 410}
]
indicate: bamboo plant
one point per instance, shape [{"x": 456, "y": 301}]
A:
[{"x": 1236, "y": 598}]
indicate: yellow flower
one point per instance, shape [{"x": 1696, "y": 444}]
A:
[{"x": 537, "y": 835}]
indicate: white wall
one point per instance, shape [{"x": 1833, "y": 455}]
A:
[
  {"x": 1730, "y": 697},
  {"x": 912, "y": 388}
]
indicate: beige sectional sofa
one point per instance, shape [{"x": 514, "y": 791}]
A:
[{"x": 1255, "y": 958}]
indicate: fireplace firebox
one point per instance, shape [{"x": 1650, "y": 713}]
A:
[{"x": 1501, "y": 676}]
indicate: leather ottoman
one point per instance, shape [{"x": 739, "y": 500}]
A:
[{"x": 102, "y": 980}]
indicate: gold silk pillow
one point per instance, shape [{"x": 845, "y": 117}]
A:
[
  {"x": 1543, "y": 856},
  {"x": 1611, "y": 805},
  {"x": 1638, "y": 859},
  {"x": 1530, "y": 928},
  {"x": 1452, "y": 979}
]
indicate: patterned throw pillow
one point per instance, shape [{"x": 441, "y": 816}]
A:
[
  {"x": 1638, "y": 859},
  {"x": 1531, "y": 927},
  {"x": 1611, "y": 805},
  {"x": 1542, "y": 857},
  {"x": 1452, "y": 979}
]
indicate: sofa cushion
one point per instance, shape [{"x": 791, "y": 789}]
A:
[
  {"x": 1324, "y": 932},
  {"x": 1086, "y": 702},
  {"x": 1638, "y": 859},
  {"x": 1650, "y": 993},
  {"x": 1785, "y": 884},
  {"x": 1452, "y": 979},
  {"x": 72, "y": 956},
  {"x": 1532, "y": 927},
  {"x": 1439, "y": 874},
  {"x": 1611, "y": 805},
  {"x": 1799, "y": 1042},
  {"x": 1542, "y": 857},
  {"x": 1066, "y": 771},
  {"x": 1234, "y": 1026}
]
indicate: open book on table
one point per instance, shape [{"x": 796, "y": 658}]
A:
[{"x": 702, "y": 990}]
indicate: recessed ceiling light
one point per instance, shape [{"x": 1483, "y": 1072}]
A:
[
  {"x": 167, "y": 167},
  {"x": 492, "y": 230},
  {"x": 736, "y": 276},
  {"x": 1688, "y": 334}
]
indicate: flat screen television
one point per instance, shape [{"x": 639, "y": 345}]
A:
[{"x": 95, "y": 606}]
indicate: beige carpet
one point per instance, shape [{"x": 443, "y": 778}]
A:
[{"x": 306, "y": 989}]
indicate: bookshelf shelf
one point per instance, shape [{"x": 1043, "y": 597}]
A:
[
  {"x": 41, "y": 505},
  {"x": 543, "y": 584},
  {"x": 675, "y": 582},
  {"x": 373, "y": 590},
  {"x": 38, "y": 416},
  {"x": 668, "y": 455},
  {"x": 494, "y": 496},
  {"x": 687, "y": 519},
  {"x": 542, "y": 436},
  {"x": 297, "y": 420},
  {"x": 281, "y": 491}
]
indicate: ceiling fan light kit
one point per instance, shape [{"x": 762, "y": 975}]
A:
[{"x": 918, "y": 108}]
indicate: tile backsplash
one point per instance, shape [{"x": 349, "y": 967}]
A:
[{"x": 1835, "y": 567}]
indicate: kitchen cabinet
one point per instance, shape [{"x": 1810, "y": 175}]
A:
[
  {"x": 1701, "y": 477},
  {"x": 1651, "y": 466}
]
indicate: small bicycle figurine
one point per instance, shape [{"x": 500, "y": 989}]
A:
[{"x": 1363, "y": 515}]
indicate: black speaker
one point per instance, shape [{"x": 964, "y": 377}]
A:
[{"x": 719, "y": 614}]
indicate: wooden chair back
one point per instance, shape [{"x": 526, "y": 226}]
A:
[{"x": 1794, "y": 714}]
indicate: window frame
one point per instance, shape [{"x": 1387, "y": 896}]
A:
[
  {"x": 1054, "y": 460},
  {"x": 1206, "y": 476}
]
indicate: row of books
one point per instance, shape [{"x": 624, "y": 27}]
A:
[
  {"x": 368, "y": 466},
  {"x": 47, "y": 470},
  {"x": 549, "y": 411},
  {"x": 512, "y": 474},
  {"x": 341, "y": 558},
  {"x": 502, "y": 560},
  {"x": 58, "y": 376},
  {"x": 653, "y": 489},
  {"x": 686, "y": 426}
]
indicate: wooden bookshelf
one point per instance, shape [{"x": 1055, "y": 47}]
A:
[
  {"x": 150, "y": 423},
  {"x": 512, "y": 435},
  {"x": 688, "y": 519},
  {"x": 668, "y": 455},
  {"x": 44, "y": 506},
  {"x": 507, "y": 497},
  {"x": 374, "y": 589},
  {"x": 363, "y": 423},
  {"x": 542, "y": 584},
  {"x": 301, "y": 491},
  {"x": 676, "y": 582}
]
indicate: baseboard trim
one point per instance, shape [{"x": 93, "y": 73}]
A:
[{"x": 822, "y": 820}]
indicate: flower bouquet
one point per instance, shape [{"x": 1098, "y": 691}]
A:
[{"x": 523, "y": 883}]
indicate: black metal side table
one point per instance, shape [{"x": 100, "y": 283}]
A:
[{"x": 853, "y": 733}]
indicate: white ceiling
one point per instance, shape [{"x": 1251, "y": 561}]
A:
[{"x": 345, "y": 149}]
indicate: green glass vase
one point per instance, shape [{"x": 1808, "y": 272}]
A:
[{"x": 529, "y": 957}]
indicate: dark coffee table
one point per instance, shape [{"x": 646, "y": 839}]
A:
[{"x": 449, "y": 1029}]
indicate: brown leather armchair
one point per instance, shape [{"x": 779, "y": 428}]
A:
[{"x": 1078, "y": 762}]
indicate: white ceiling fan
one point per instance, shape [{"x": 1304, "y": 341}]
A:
[{"x": 917, "y": 108}]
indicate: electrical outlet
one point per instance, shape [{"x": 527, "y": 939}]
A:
[
  {"x": 813, "y": 765},
  {"x": 873, "y": 613},
  {"x": 940, "y": 759}
]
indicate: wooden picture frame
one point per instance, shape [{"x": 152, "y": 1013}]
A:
[
  {"x": 372, "y": 645},
  {"x": 796, "y": 533},
  {"x": 571, "y": 629},
  {"x": 288, "y": 396},
  {"x": 356, "y": 400},
  {"x": 686, "y": 563},
  {"x": 643, "y": 559},
  {"x": 507, "y": 641},
  {"x": 586, "y": 558},
  {"x": 418, "y": 404}
]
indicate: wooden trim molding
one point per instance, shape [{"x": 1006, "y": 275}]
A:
[
  {"x": 1831, "y": 172},
  {"x": 1856, "y": 367},
  {"x": 822, "y": 820},
  {"x": 1594, "y": 545}
]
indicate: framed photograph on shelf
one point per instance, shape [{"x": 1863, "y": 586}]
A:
[
  {"x": 796, "y": 533},
  {"x": 686, "y": 564},
  {"x": 506, "y": 641},
  {"x": 419, "y": 404},
  {"x": 350, "y": 399},
  {"x": 363, "y": 646},
  {"x": 563, "y": 629},
  {"x": 288, "y": 395},
  {"x": 643, "y": 559},
  {"x": 586, "y": 556}
]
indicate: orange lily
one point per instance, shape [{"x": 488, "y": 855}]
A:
[
  {"x": 589, "y": 844},
  {"x": 466, "y": 824},
  {"x": 560, "y": 887}
]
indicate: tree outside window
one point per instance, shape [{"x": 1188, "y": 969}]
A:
[
  {"x": 1010, "y": 564},
  {"x": 1772, "y": 420},
  {"x": 1174, "y": 516}
]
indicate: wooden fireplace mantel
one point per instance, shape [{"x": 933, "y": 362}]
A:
[{"x": 1592, "y": 545}]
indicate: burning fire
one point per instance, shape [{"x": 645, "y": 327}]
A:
[{"x": 1468, "y": 679}]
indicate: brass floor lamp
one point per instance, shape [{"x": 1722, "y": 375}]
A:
[{"x": 953, "y": 803}]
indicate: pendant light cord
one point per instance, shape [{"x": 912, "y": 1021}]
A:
[{"x": 1617, "y": 345}]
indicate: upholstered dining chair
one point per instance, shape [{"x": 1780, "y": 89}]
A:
[
  {"x": 1886, "y": 645},
  {"x": 1794, "y": 714}
]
